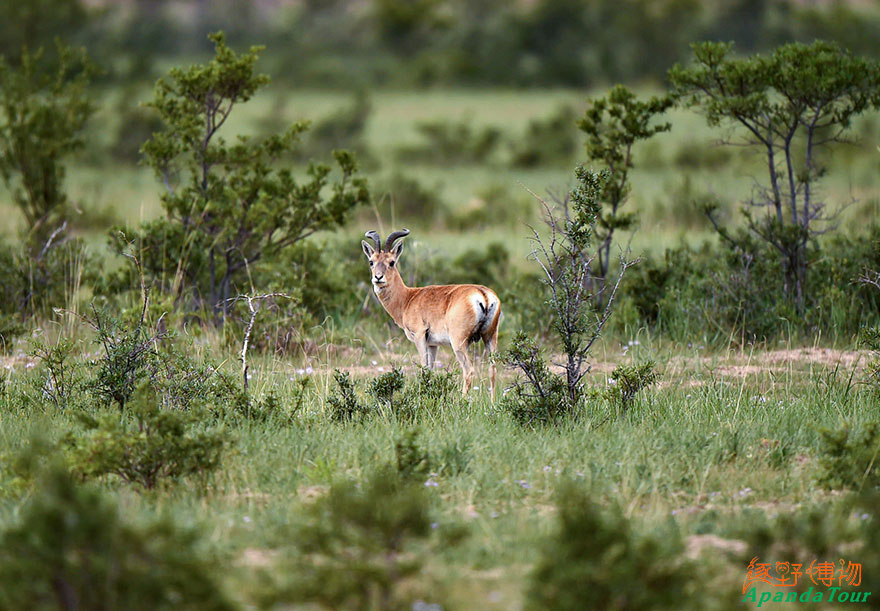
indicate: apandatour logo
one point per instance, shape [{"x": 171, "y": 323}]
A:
[{"x": 820, "y": 574}]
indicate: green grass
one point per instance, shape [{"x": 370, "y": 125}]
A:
[{"x": 724, "y": 432}]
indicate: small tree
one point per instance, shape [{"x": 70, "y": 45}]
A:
[
  {"x": 228, "y": 205},
  {"x": 42, "y": 114},
  {"x": 71, "y": 549},
  {"x": 567, "y": 273},
  {"x": 613, "y": 124},
  {"x": 791, "y": 105}
]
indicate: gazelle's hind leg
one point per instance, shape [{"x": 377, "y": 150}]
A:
[
  {"x": 467, "y": 371},
  {"x": 490, "y": 339}
]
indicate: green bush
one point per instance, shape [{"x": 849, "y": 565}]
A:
[
  {"x": 595, "y": 560},
  {"x": 412, "y": 460},
  {"x": 42, "y": 113},
  {"x": 403, "y": 196},
  {"x": 358, "y": 545},
  {"x": 849, "y": 457},
  {"x": 344, "y": 403},
  {"x": 147, "y": 445},
  {"x": 627, "y": 381},
  {"x": 541, "y": 398},
  {"x": 61, "y": 377},
  {"x": 230, "y": 207},
  {"x": 550, "y": 141},
  {"x": 71, "y": 549},
  {"x": 452, "y": 142}
]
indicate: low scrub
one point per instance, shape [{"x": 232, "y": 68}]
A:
[{"x": 72, "y": 549}]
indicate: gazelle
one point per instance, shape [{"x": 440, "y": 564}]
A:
[{"x": 455, "y": 315}]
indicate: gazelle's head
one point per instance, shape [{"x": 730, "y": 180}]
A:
[{"x": 383, "y": 262}]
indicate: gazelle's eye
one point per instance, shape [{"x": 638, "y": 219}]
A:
[
  {"x": 391, "y": 264},
  {"x": 371, "y": 264}
]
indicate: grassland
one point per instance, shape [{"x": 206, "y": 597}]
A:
[{"x": 725, "y": 434}]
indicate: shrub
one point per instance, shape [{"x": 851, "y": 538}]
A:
[
  {"x": 547, "y": 141},
  {"x": 345, "y": 404},
  {"x": 452, "y": 142},
  {"x": 71, "y": 549},
  {"x": 36, "y": 283},
  {"x": 628, "y": 381},
  {"x": 408, "y": 198},
  {"x": 541, "y": 398},
  {"x": 61, "y": 376},
  {"x": 566, "y": 273},
  {"x": 595, "y": 560},
  {"x": 147, "y": 445},
  {"x": 849, "y": 457},
  {"x": 42, "y": 114},
  {"x": 384, "y": 387},
  {"x": 230, "y": 207},
  {"x": 358, "y": 545},
  {"x": 412, "y": 460}
]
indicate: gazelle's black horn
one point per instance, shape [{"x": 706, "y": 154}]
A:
[
  {"x": 376, "y": 239},
  {"x": 394, "y": 237}
]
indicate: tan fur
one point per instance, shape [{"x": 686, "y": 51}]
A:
[{"x": 431, "y": 316}]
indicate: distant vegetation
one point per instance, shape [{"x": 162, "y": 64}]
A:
[{"x": 691, "y": 332}]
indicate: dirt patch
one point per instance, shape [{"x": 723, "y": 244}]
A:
[
  {"x": 311, "y": 493},
  {"x": 822, "y": 356},
  {"x": 695, "y": 545},
  {"x": 258, "y": 558}
]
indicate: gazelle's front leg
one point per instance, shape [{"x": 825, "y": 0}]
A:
[{"x": 421, "y": 343}]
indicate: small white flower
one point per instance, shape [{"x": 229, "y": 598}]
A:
[
  {"x": 309, "y": 370},
  {"x": 247, "y": 519},
  {"x": 430, "y": 483},
  {"x": 373, "y": 363}
]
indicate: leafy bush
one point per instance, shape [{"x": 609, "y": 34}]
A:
[
  {"x": 541, "y": 398},
  {"x": 147, "y": 445},
  {"x": 628, "y": 381},
  {"x": 61, "y": 376},
  {"x": 412, "y": 460},
  {"x": 408, "y": 198},
  {"x": 35, "y": 283},
  {"x": 384, "y": 387},
  {"x": 229, "y": 207},
  {"x": 71, "y": 549},
  {"x": 571, "y": 292},
  {"x": 595, "y": 560},
  {"x": 42, "y": 114},
  {"x": 452, "y": 142},
  {"x": 547, "y": 141},
  {"x": 358, "y": 545},
  {"x": 848, "y": 457},
  {"x": 345, "y": 404}
]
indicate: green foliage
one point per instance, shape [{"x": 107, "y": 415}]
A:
[
  {"x": 406, "y": 197},
  {"x": 849, "y": 457},
  {"x": 413, "y": 461},
  {"x": 627, "y": 381},
  {"x": 62, "y": 376},
  {"x": 790, "y": 105},
  {"x": 42, "y": 114},
  {"x": 384, "y": 387},
  {"x": 595, "y": 560},
  {"x": 343, "y": 129},
  {"x": 345, "y": 404},
  {"x": 358, "y": 544},
  {"x": 449, "y": 142},
  {"x": 612, "y": 126},
  {"x": 35, "y": 284},
  {"x": 33, "y": 24},
  {"x": 147, "y": 445},
  {"x": 547, "y": 141},
  {"x": 541, "y": 398},
  {"x": 230, "y": 206},
  {"x": 71, "y": 549}
]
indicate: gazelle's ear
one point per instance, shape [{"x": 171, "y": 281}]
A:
[
  {"x": 398, "y": 248},
  {"x": 368, "y": 250}
]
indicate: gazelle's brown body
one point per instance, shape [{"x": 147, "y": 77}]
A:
[{"x": 455, "y": 315}]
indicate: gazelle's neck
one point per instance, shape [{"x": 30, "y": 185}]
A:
[{"x": 393, "y": 295}]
